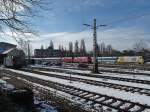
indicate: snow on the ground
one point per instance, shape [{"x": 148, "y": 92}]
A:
[
  {"x": 71, "y": 70},
  {"x": 107, "y": 91},
  {"x": 100, "y": 68},
  {"x": 43, "y": 106},
  {"x": 5, "y": 85},
  {"x": 132, "y": 76},
  {"x": 59, "y": 93},
  {"x": 125, "y": 70},
  {"x": 101, "y": 80},
  {"x": 2, "y": 81}
]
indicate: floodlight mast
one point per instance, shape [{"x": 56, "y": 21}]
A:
[{"x": 95, "y": 62}]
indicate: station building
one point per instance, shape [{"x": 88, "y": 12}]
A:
[
  {"x": 47, "y": 53},
  {"x": 7, "y": 49}
]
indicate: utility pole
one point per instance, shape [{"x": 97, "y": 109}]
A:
[
  {"x": 95, "y": 62},
  {"x": 28, "y": 53}
]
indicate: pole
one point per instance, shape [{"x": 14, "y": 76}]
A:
[
  {"x": 28, "y": 53},
  {"x": 95, "y": 63},
  {"x": 94, "y": 27}
]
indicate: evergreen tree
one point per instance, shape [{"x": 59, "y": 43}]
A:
[
  {"x": 76, "y": 49},
  {"x": 42, "y": 47},
  {"x": 70, "y": 47},
  {"x": 51, "y": 45},
  {"x": 59, "y": 47},
  {"x": 82, "y": 48},
  {"x": 62, "y": 48}
]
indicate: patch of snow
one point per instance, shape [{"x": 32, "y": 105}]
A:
[
  {"x": 101, "y": 80},
  {"x": 59, "y": 93},
  {"x": 2, "y": 81},
  {"x": 4, "y": 85},
  {"x": 106, "y": 91},
  {"x": 5, "y": 78},
  {"x": 132, "y": 76}
]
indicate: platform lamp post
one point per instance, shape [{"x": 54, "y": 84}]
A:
[{"x": 95, "y": 27}]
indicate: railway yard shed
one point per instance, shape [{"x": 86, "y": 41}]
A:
[{"x": 7, "y": 51}]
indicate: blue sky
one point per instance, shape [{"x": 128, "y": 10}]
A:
[{"x": 128, "y": 22}]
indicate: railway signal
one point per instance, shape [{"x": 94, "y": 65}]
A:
[{"x": 95, "y": 27}]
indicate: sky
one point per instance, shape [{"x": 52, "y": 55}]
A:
[{"x": 128, "y": 22}]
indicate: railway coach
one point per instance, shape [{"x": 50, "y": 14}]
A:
[
  {"x": 130, "y": 59},
  {"x": 67, "y": 59},
  {"x": 82, "y": 60},
  {"x": 45, "y": 61},
  {"x": 109, "y": 60}
]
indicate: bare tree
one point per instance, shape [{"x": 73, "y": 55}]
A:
[
  {"x": 23, "y": 45},
  {"x": 139, "y": 46},
  {"x": 109, "y": 49},
  {"x": 15, "y": 14},
  {"x": 102, "y": 48}
]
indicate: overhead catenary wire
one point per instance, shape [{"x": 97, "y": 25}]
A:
[{"x": 128, "y": 18}]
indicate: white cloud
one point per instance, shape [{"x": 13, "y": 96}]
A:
[{"x": 119, "y": 38}]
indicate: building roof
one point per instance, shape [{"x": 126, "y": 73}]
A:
[
  {"x": 8, "y": 50},
  {"x": 7, "y": 44},
  {"x": 6, "y": 47},
  {"x": 1, "y": 51}
]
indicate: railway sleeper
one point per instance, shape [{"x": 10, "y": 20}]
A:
[
  {"x": 73, "y": 91},
  {"x": 109, "y": 106},
  {"x": 120, "y": 104},
  {"x": 67, "y": 90},
  {"x": 89, "y": 95},
  {"x": 78, "y": 92},
  {"x": 100, "y": 98},
  {"x": 95, "y": 97},
  {"x": 108, "y": 101},
  {"x": 129, "y": 107},
  {"x": 146, "y": 91},
  {"x": 83, "y": 94},
  {"x": 147, "y": 94},
  {"x": 104, "y": 100},
  {"x": 116, "y": 87},
  {"x": 113, "y": 101},
  {"x": 137, "y": 109}
]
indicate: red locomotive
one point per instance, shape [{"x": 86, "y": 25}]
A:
[
  {"x": 77, "y": 60},
  {"x": 67, "y": 59}
]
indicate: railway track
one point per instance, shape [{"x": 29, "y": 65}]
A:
[
  {"x": 97, "y": 76},
  {"x": 120, "y": 70},
  {"x": 142, "y": 91},
  {"x": 96, "y": 98},
  {"x": 128, "y": 66},
  {"x": 120, "y": 67}
]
